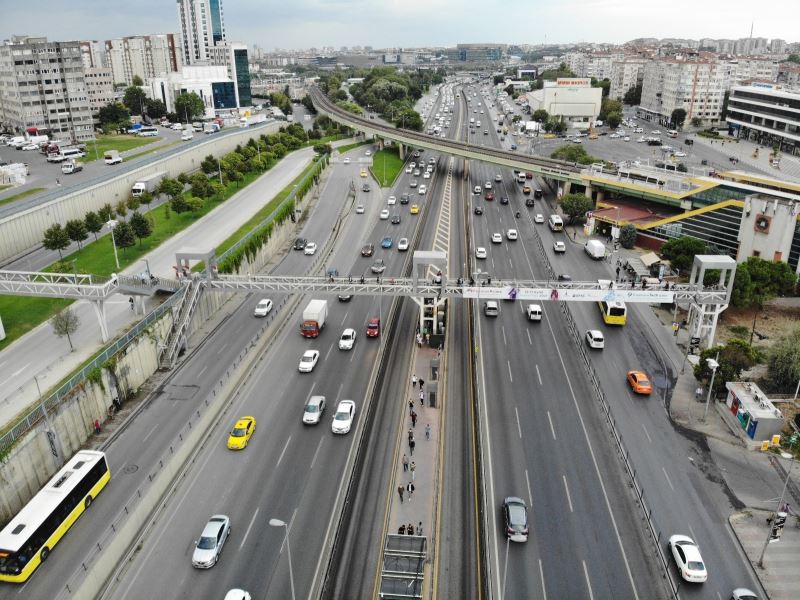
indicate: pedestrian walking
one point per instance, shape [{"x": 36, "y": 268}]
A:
[
  {"x": 419, "y": 528},
  {"x": 410, "y": 406},
  {"x": 414, "y": 380},
  {"x": 130, "y": 302},
  {"x": 410, "y": 434},
  {"x": 411, "y": 444},
  {"x": 413, "y": 419},
  {"x": 400, "y": 491},
  {"x": 409, "y": 529},
  {"x": 410, "y": 489},
  {"x": 422, "y": 398},
  {"x": 421, "y": 383},
  {"x": 428, "y": 431},
  {"x": 405, "y": 462},
  {"x": 413, "y": 469}
]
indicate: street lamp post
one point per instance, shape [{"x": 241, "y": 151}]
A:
[
  {"x": 111, "y": 225},
  {"x": 279, "y": 523},
  {"x": 779, "y": 510},
  {"x": 713, "y": 365}
]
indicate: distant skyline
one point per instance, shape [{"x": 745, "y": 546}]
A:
[{"x": 413, "y": 23}]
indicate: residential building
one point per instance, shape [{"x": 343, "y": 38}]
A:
[
  {"x": 93, "y": 54},
  {"x": 572, "y": 98},
  {"x": 210, "y": 82},
  {"x": 202, "y": 27},
  {"x": 144, "y": 56},
  {"x": 276, "y": 80},
  {"x": 767, "y": 113},
  {"x": 789, "y": 75},
  {"x": 99, "y": 87},
  {"x": 626, "y": 74},
  {"x": 42, "y": 87},
  {"x": 753, "y": 68}
]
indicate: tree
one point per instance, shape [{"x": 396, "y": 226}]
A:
[
  {"x": 734, "y": 357},
  {"x": 155, "y": 108},
  {"x": 113, "y": 116},
  {"x": 94, "y": 223},
  {"x": 146, "y": 197},
  {"x": 627, "y": 236},
  {"x": 56, "y": 238},
  {"x": 200, "y": 187},
  {"x": 783, "y": 362},
  {"x": 678, "y": 117},
  {"x": 66, "y": 323},
  {"x": 121, "y": 208},
  {"x": 106, "y": 213},
  {"x": 696, "y": 122},
  {"x": 124, "y": 236},
  {"x": 575, "y": 206},
  {"x": 189, "y": 105},
  {"x": 607, "y": 105},
  {"x": 540, "y": 115},
  {"x": 76, "y": 230},
  {"x": 135, "y": 99},
  {"x": 633, "y": 96},
  {"x": 680, "y": 251},
  {"x": 170, "y": 187},
  {"x": 209, "y": 165},
  {"x": 141, "y": 226},
  {"x": 604, "y": 84},
  {"x": 613, "y": 119},
  {"x": 323, "y": 148},
  {"x": 132, "y": 203},
  {"x": 757, "y": 280},
  {"x": 137, "y": 81}
]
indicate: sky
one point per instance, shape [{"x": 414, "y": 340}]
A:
[{"x": 413, "y": 23}]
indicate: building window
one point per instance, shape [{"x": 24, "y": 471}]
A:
[{"x": 756, "y": 253}]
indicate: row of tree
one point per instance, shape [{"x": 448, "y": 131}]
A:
[{"x": 117, "y": 115}]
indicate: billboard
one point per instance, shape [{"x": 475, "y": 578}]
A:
[{"x": 576, "y": 295}]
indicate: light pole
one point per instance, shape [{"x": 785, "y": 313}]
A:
[
  {"x": 779, "y": 509},
  {"x": 713, "y": 365},
  {"x": 279, "y": 523},
  {"x": 111, "y": 225},
  {"x": 219, "y": 171}
]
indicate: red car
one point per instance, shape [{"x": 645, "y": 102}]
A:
[
  {"x": 374, "y": 328},
  {"x": 489, "y": 196}
]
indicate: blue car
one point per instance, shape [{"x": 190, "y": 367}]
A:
[{"x": 386, "y": 242}]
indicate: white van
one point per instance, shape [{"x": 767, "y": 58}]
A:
[
  {"x": 490, "y": 308},
  {"x": 534, "y": 312},
  {"x": 72, "y": 153},
  {"x": 595, "y": 249},
  {"x": 555, "y": 223}
]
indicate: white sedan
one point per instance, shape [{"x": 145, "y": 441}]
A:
[
  {"x": 308, "y": 361},
  {"x": 392, "y": 200},
  {"x": 595, "y": 339},
  {"x": 560, "y": 247},
  {"x": 367, "y": 153},
  {"x": 402, "y": 245},
  {"x": 384, "y": 214},
  {"x": 311, "y": 248},
  {"x": 30, "y": 147},
  {"x": 679, "y": 153},
  {"x": 348, "y": 339},
  {"x": 343, "y": 419},
  {"x": 422, "y": 190},
  {"x": 313, "y": 410},
  {"x": 687, "y": 557},
  {"x": 480, "y": 252},
  {"x": 409, "y": 169},
  {"x": 497, "y": 238},
  {"x": 539, "y": 218},
  {"x": 511, "y": 234},
  {"x": 360, "y": 209},
  {"x": 263, "y": 307},
  {"x": 346, "y": 160}
]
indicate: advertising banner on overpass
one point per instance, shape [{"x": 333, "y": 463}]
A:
[{"x": 569, "y": 294}]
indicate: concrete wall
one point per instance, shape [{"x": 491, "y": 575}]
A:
[
  {"x": 30, "y": 464},
  {"x": 24, "y": 230}
]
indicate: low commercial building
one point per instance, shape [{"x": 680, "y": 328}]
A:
[
  {"x": 210, "y": 82},
  {"x": 766, "y": 113},
  {"x": 572, "y": 98},
  {"x": 750, "y": 413}
]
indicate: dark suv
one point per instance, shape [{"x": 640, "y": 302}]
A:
[
  {"x": 300, "y": 244},
  {"x": 515, "y": 518}
]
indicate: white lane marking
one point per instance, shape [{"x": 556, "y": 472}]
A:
[
  {"x": 530, "y": 341},
  {"x": 552, "y": 429},
  {"x": 691, "y": 531},
  {"x": 519, "y": 428},
  {"x": 541, "y": 576},
  {"x": 152, "y": 431},
  {"x": 280, "y": 458},
  {"x": 221, "y": 348},
  {"x": 503, "y": 329},
  {"x": 352, "y": 356},
  {"x": 663, "y": 470},
  {"x": 539, "y": 375},
  {"x": 314, "y": 459},
  {"x": 588, "y": 583},
  {"x": 339, "y": 393},
  {"x": 289, "y": 530},
  {"x": 344, "y": 318},
  {"x": 530, "y": 496},
  {"x": 511, "y": 377},
  {"x": 14, "y": 374},
  {"x": 647, "y": 434},
  {"x": 246, "y": 533},
  {"x": 203, "y": 370},
  {"x": 328, "y": 353},
  {"x": 566, "y": 488}
]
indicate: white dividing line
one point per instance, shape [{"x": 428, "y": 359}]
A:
[
  {"x": 221, "y": 348},
  {"x": 328, "y": 353},
  {"x": 280, "y": 458},
  {"x": 344, "y": 318},
  {"x": 647, "y": 434},
  {"x": 530, "y": 341},
  {"x": 503, "y": 329},
  {"x": 14, "y": 374},
  {"x": 588, "y": 583},
  {"x": 144, "y": 439},
  {"x": 530, "y": 496},
  {"x": 566, "y": 487},
  {"x": 339, "y": 393},
  {"x": 552, "y": 429},
  {"x": 519, "y": 428},
  {"x": 314, "y": 459},
  {"x": 667, "y": 478},
  {"x": 539, "y": 375},
  {"x": 246, "y": 533},
  {"x": 541, "y": 576},
  {"x": 511, "y": 377},
  {"x": 694, "y": 535}
]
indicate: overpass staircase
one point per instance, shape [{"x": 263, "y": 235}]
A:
[{"x": 183, "y": 312}]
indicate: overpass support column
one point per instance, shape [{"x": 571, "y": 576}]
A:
[
  {"x": 567, "y": 187},
  {"x": 401, "y": 148},
  {"x": 100, "y": 310},
  {"x": 600, "y": 195},
  {"x": 588, "y": 191}
]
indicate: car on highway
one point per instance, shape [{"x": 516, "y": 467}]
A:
[
  {"x": 311, "y": 248},
  {"x": 384, "y": 214},
  {"x": 489, "y": 196},
  {"x": 497, "y": 238},
  {"x": 343, "y": 418},
  {"x": 348, "y": 339},
  {"x": 405, "y": 199},
  {"x": 511, "y": 234},
  {"x": 241, "y": 433},
  {"x": 488, "y": 185},
  {"x": 413, "y": 183},
  {"x": 515, "y": 519},
  {"x": 559, "y": 247},
  {"x": 679, "y": 153},
  {"x": 498, "y": 178},
  {"x": 478, "y": 210},
  {"x": 414, "y": 210},
  {"x": 346, "y": 160},
  {"x": 480, "y": 252},
  {"x": 402, "y": 244},
  {"x": 639, "y": 382},
  {"x": 409, "y": 169},
  {"x": 595, "y": 339},
  {"x": 426, "y": 175},
  {"x": 656, "y": 132},
  {"x": 209, "y": 547},
  {"x": 29, "y": 147},
  {"x": 386, "y": 242},
  {"x": 360, "y": 209},
  {"x": 300, "y": 244},
  {"x": 743, "y": 594},
  {"x": 378, "y": 266},
  {"x": 503, "y": 199},
  {"x": 344, "y": 297},
  {"x": 367, "y": 249},
  {"x": 373, "y": 327},
  {"x": 365, "y": 187},
  {"x": 539, "y": 218},
  {"x": 477, "y": 189},
  {"x": 422, "y": 190},
  {"x": 687, "y": 557},
  {"x": 392, "y": 200},
  {"x": 363, "y": 172},
  {"x": 308, "y": 361},
  {"x": 395, "y": 219},
  {"x": 417, "y": 173},
  {"x": 312, "y": 412},
  {"x": 237, "y": 594},
  {"x": 263, "y": 307},
  {"x": 367, "y": 153}
]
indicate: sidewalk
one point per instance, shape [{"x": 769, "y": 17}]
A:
[{"x": 743, "y": 150}]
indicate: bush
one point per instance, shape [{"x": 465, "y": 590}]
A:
[
  {"x": 734, "y": 357},
  {"x": 680, "y": 251},
  {"x": 575, "y": 206},
  {"x": 627, "y": 236}
]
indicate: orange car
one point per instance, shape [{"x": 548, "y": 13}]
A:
[{"x": 639, "y": 382}]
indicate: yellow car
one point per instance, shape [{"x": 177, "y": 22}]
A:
[
  {"x": 549, "y": 136},
  {"x": 414, "y": 209},
  {"x": 241, "y": 433},
  {"x": 363, "y": 172}
]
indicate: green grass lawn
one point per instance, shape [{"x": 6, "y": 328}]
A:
[
  {"x": 348, "y": 147},
  {"x": 115, "y": 142},
  {"x": 153, "y": 149},
  {"x": 21, "y": 195},
  {"x": 386, "y": 165}
]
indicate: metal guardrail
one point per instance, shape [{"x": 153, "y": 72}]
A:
[{"x": 33, "y": 417}]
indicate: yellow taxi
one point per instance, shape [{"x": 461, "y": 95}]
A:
[
  {"x": 363, "y": 172},
  {"x": 414, "y": 209},
  {"x": 640, "y": 383},
  {"x": 549, "y": 136},
  {"x": 241, "y": 433}
]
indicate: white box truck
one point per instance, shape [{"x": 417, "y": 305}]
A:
[
  {"x": 314, "y": 316},
  {"x": 148, "y": 184},
  {"x": 595, "y": 249},
  {"x": 112, "y": 157}
]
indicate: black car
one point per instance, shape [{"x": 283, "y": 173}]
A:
[
  {"x": 416, "y": 154},
  {"x": 537, "y": 193},
  {"x": 367, "y": 249},
  {"x": 344, "y": 297},
  {"x": 478, "y": 210},
  {"x": 564, "y": 277},
  {"x": 528, "y": 201},
  {"x": 515, "y": 519},
  {"x": 365, "y": 187},
  {"x": 503, "y": 200},
  {"x": 395, "y": 219},
  {"x": 404, "y": 199},
  {"x": 300, "y": 244}
]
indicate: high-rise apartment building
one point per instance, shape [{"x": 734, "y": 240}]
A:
[
  {"x": 202, "y": 26},
  {"x": 626, "y": 74},
  {"x": 145, "y": 56},
  {"x": 42, "y": 86}
]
